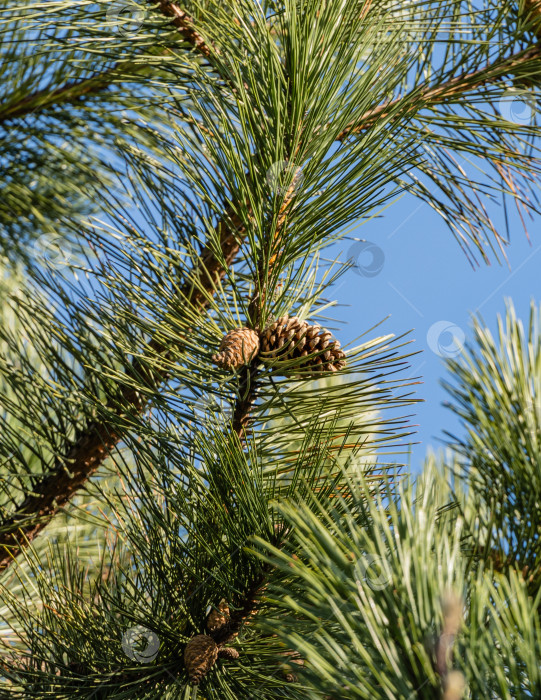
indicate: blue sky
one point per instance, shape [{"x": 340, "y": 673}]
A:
[{"x": 425, "y": 279}]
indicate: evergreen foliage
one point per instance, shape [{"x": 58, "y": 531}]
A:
[{"x": 172, "y": 172}]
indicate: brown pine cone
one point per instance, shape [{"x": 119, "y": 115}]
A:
[
  {"x": 289, "y": 338},
  {"x": 228, "y": 653},
  {"x": 218, "y": 618},
  {"x": 238, "y": 347},
  {"x": 199, "y": 657}
]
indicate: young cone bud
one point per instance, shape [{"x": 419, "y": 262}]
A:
[
  {"x": 228, "y": 653},
  {"x": 218, "y": 618}
]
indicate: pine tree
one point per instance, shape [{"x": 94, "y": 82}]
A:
[{"x": 202, "y": 491}]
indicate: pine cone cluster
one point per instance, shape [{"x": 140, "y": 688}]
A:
[
  {"x": 199, "y": 657},
  {"x": 202, "y": 651},
  {"x": 289, "y": 338},
  {"x": 286, "y": 339},
  {"x": 238, "y": 347}
]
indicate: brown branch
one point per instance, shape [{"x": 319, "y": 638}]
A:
[
  {"x": 453, "y": 681},
  {"x": 95, "y": 442},
  {"x": 427, "y": 95},
  {"x": 248, "y": 374},
  {"x": 185, "y": 25},
  {"x": 228, "y": 631}
]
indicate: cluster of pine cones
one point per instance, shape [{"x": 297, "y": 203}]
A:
[
  {"x": 283, "y": 343},
  {"x": 202, "y": 652}
]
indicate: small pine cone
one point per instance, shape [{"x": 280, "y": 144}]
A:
[
  {"x": 228, "y": 653},
  {"x": 218, "y": 618},
  {"x": 199, "y": 657},
  {"x": 290, "y": 338},
  {"x": 238, "y": 347}
]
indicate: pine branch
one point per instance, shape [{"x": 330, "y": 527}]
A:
[
  {"x": 248, "y": 375},
  {"x": 427, "y": 96},
  {"x": 230, "y": 629},
  {"x": 430, "y": 96},
  {"x": 69, "y": 93},
  {"x": 185, "y": 25},
  {"x": 94, "y": 444},
  {"x": 93, "y": 85},
  {"x": 264, "y": 272}
]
